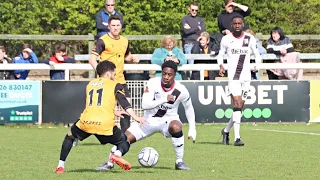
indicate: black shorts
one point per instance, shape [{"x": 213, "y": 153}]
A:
[
  {"x": 115, "y": 139},
  {"x": 126, "y": 90}
]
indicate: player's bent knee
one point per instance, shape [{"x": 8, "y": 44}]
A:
[
  {"x": 177, "y": 134},
  {"x": 130, "y": 137},
  {"x": 69, "y": 138},
  {"x": 175, "y": 126}
]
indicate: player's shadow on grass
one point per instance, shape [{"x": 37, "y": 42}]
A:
[
  {"x": 156, "y": 167},
  {"x": 89, "y": 144},
  {"x": 110, "y": 171},
  {"x": 217, "y": 143}
]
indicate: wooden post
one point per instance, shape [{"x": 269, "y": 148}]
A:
[{"x": 90, "y": 47}]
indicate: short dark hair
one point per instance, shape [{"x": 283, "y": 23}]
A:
[
  {"x": 193, "y": 4},
  {"x": 278, "y": 30},
  {"x": 113, "y": 17},
  {"x": 237, "y": 16},
  {"x": 226, "y": 2},
  {"x": 105, "y": 66},
  {"x": 60, "y": 47},
  {"x": 170, "y": 64},
  {"x": 27, "y": 46}
]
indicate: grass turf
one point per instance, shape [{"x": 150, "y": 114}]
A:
[{"x": 33, "y": 153}]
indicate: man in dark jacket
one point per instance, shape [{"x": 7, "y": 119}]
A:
[
  {"x": 5, "y": 74},
  {"x": 205, "y": 46},
  {"x": 226, "y": 16},
  {"x": 102, "y": 18},
  {"x": 191, "y": 27}
]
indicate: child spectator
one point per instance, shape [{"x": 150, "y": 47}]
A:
[
  {"x": 26, "y": 57},
  {"x": 59, "y": 57}
]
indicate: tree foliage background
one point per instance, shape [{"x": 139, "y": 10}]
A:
[{"x": 146, "y": 17}]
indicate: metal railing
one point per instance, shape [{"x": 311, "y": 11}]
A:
[{"x": 150, "y": 67}]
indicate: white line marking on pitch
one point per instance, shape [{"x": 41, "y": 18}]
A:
[{"x": 292, "y": 132}]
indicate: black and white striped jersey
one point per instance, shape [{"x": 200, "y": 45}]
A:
[{"x": 238, "y": 51}]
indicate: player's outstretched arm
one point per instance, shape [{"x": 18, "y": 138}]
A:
[
  {"x": 93, "y": 61},
  {"x": 140, "y": 120},
  {"x": 124, "y": 103},
  {"x": 189, "y": 110}
]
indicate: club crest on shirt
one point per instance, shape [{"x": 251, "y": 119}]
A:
[{"x": 246, "y": 42}]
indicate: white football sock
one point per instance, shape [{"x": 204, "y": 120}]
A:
[
  {"x": 113, "y": 150},
  {"x": 61, "y": 163},
  {"x": 178, "y": 144},
  {"x": 237, "y": 120},
  {"x": 229, "y": 126},
  {"x": 118, "y": 153}
]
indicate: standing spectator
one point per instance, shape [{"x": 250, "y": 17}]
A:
[
  {"x": 168, "y": 52},
  {"x": 5, "y": 74},
  {"x": 261, "y": 49},
  {"x": 26, "y": 57},
  {"x": 226, "y": 16},
  {"x": 278, "y": 44},
  {"x": 103, "y": 16},
  {"x": 115, "y": 48},
  {"x": 192, "y": 27},
  {"x": 59, "y": 57},
  {"x": 205, "y": 46}
]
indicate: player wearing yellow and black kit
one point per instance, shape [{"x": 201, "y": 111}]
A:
[
  {"x": 115, "y": 48},
  {"x": 98, "y": 118}
]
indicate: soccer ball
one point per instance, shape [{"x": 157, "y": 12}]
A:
[{"x": 148, "y": 157}]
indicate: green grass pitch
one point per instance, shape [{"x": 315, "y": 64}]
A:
[{"x": 271, "y": 151}]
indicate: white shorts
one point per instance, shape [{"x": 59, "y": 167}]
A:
[
  {"x": 154, "y": 125},
  {"x": 239, "y": 88}
]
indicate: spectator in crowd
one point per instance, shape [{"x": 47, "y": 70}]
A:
[
  {"x": 59, "y": 57},
  {"x": 281, "y": 45},
  {"x": 168, "y": 52},
  {"x": 192, "y": 26},
  {"x": 261, "y": 49},
  {"x": 5, "y": 74},
  {"x": 102, "y": 18},
  {"x": 205, "y": 46},
  {"x": 26, "y": 57},
  {"x": 232, "y": 9},
  {"x": 278, "y": 44},
  {"x": 115, "y": 48}
]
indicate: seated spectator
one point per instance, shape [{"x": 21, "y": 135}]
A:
[
  {"x": 278, "y": 44},
  {"x": 205, "y": 46},
  {"x": 102, "y": 18},
  {"x": 26, "y": 57},
  {"x": 225, "y": 17},
  {"x": 291, "y": 74},
  {"x": 5, "y": 74},
  {"x": 262, "y": 50},
  {"x": 59, "y": 57},
  {"x": 168, "y": 52}
]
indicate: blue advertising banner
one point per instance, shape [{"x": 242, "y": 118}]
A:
[{"x": 19, "y": 101}]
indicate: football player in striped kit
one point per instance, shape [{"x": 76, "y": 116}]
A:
[{"x": 238, "y": 46}]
